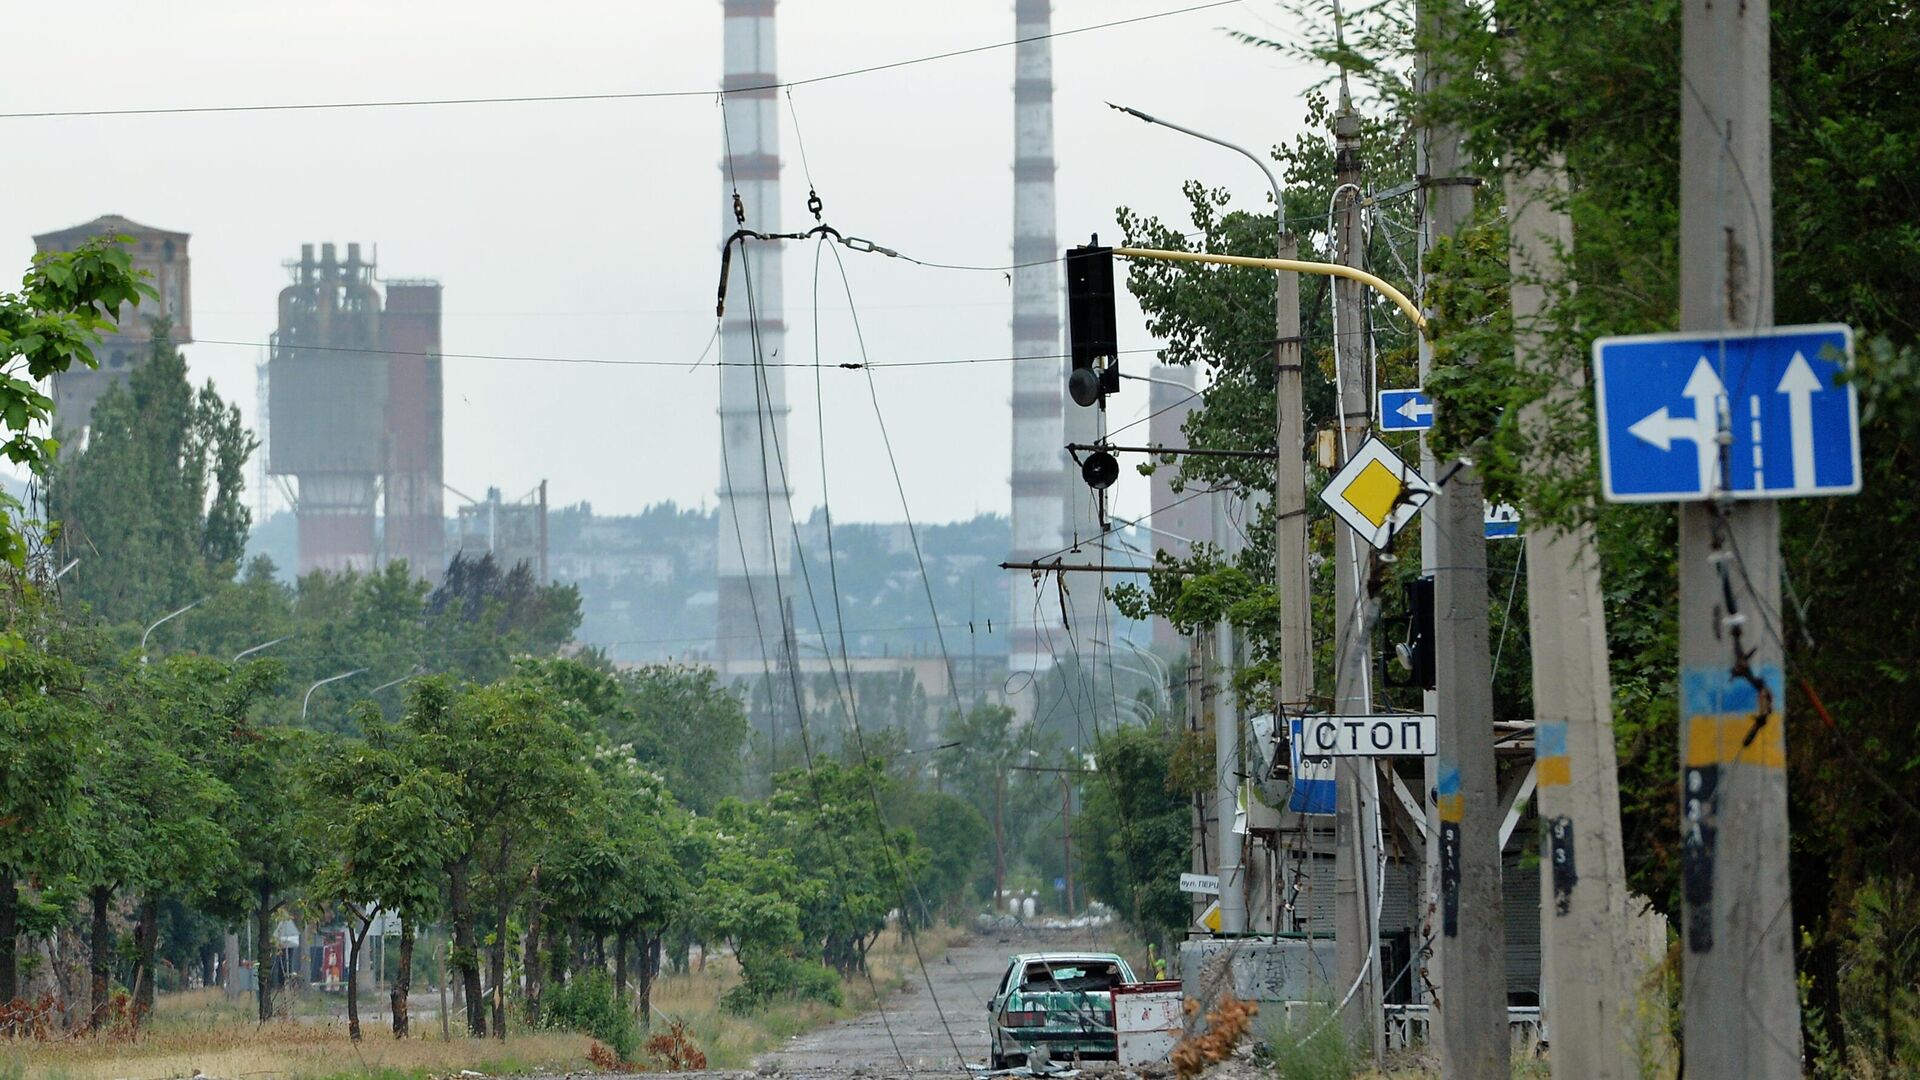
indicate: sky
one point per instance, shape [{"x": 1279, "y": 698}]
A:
[{"x": 589, "y": 230}]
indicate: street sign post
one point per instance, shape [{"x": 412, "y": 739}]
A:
[
  {"x": 1379, "y": 735},
  {"x": 1405, "y": 410},
  {"x": 1687, "y": 417},
  {"x": 1376, "y": 493}
]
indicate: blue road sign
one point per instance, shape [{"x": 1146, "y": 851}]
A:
[
  {"x": 1685, "y": 417},
  {"x": 1405, "y": 410},
  {"x": 1502, "y": 522}
]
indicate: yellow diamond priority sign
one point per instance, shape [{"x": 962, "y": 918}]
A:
[{"x": 1376, "y": 493}]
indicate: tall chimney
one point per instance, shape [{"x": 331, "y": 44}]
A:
[{"x": 755, "y": 531}]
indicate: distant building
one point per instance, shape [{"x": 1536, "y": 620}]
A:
[
  {"x": 354, "y": 409},
  {"x": 512, "y": 532},
  {"x": 162, "y": 255}
]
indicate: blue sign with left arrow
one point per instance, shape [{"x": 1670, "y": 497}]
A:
[
  {"x": 1685, "y": 417},
  {"x": 1405, "y": 410}
]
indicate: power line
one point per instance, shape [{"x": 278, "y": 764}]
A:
[{"x": 634, "y": 95}]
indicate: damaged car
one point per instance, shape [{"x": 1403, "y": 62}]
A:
[{"x": 1056, "y": 1006}]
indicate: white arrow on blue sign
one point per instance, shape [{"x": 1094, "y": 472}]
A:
[
  {"x": 1405, "y": 410},
  {"x": 1685, "y": 417},
  {"x": 1502, "y": 522}
]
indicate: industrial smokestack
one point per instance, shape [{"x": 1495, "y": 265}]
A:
[
  {"x": 755, "y": 524},
  {"x": 1039, "y": 460}
]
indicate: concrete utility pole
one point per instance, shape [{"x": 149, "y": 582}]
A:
[
  {"x": 1589, "y": 968},
  {"x": 1471, "y": 1007},
  {"x": 1742, "y": 1016},
  {"x": 1226, "y": 755},
  {"x": 1356, "y": 857}
]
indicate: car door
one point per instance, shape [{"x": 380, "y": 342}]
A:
[{"x": 999, "y": 998}]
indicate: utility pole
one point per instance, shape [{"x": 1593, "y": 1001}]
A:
[
  {"x": 1742, "y": 1014},
  {"x": 1066, "y": 837},
  {"x": 1588, "y": 974},
  {"x": 1356, "y": 858},
  {"x": 1471, "y": 1006},
  {"x": 1226, "y": 752}
]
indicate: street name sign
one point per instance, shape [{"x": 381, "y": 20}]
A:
[
  {"x": 1382, "y": 735},
  {"x": 1207, "y": 884},
  {"x": 1687, "y": 417},
  {"x": 1405, "y": 410},
  {"x": 1376, "y": 493}
]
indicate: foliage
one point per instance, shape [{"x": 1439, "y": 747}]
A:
[
  {"x": 66, "y": 301},
  {"x": 1135, "y": 829},
  {"x": 152, "y": 503},
  {"x": 588, "y": 1004}
]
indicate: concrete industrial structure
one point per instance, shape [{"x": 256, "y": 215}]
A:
[
  {"x": 754, "y": 545},
  {"x": 354, "y": 411},
  {"x": 162, "y": 256},
  {"x": 512, "y": 532},
  {"x": 1046, "y": 490}
]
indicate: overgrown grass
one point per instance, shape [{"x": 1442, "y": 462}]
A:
[
  {"x": 203, "y": 1031},
  {"x": 732, "y": 1041}
]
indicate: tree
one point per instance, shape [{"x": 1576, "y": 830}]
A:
[
  {"x": 509, "y": 762},
  {"x": 46, "y": 732},
  {"x": 683, "y": 723},
  {"x": 153, "y": 500},
  {"x": 66, "y": 300},
  {"x": 378, "y": 828},
  {"x": 1135, "y": 827}
]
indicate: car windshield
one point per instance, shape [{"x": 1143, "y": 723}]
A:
[{"x": 1075, "y": 977}]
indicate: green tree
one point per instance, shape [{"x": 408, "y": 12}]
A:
[
  {"x": 152, "y": 503},
  {"x": 66, "y": 301},
  {"x": 683, "y": 723},
  {"x": 378, "y": 829},
  {"x": 1135, "y": 827},
  {"x": 47, "y": 731}
]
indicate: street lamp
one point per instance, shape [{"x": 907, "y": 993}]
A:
[
  {"x": 62, "y": 572},
  {"x": 1162, "y": 676},
  {"x": 263, "y": 645},
  {"x": 157, "y": 622},
  {"x": 415, "y": 673},
  {"x": 331, "y": 678}
]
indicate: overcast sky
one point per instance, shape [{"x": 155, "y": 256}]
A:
[{"x": 587, "y": 229}]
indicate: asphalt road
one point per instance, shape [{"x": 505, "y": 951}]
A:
[{"x": 916, "y": 1030}]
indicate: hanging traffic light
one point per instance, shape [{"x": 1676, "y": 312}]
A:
[{"x": 1091, "y": 335}]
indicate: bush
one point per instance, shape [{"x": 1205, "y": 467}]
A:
[
  {"x": 775, "y": 976},
  {"x": 588, "y": 1004}
]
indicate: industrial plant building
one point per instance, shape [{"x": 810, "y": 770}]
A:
[
  {"x": 162, "y": 256},
  {"x": 354, "y": 415}
]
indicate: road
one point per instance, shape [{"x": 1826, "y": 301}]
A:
[{"x": 917, "y": 1030}]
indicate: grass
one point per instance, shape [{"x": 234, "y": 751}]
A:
[
  {"x": 202, "y": 1031},
  {"x": 733, "y": 1041}
]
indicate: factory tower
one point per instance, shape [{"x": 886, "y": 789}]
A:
[
  {"x": 754, "y": 545},
  {"x": 1052, "y": 508}
]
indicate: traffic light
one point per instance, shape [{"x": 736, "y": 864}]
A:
[
  {"x": 1091, "y": 336},
  {"x": 1416, "y": 653}
]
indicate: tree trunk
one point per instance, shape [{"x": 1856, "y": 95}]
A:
[
  {"x": 146, "y": 939},
  {"x": 402, "y": 978},
  {"x": 9, "y": 936},
  {"x": 497, "y": 969},
  {"x": 354, "y": 941},
  {"x": 649, "y": 962},
  {"x": 99, "y": 950},
  {"x": 531, "y": 964},
  {"x": 466, "y": 959},
  {"x": 264, "y": 982},
  {"x": 557, "y": 953},
  {"x": 621, "y": 943},
  {"x": 207, "y": 952}
]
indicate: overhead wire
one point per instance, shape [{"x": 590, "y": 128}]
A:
[{"x": 634, "y": 95}]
